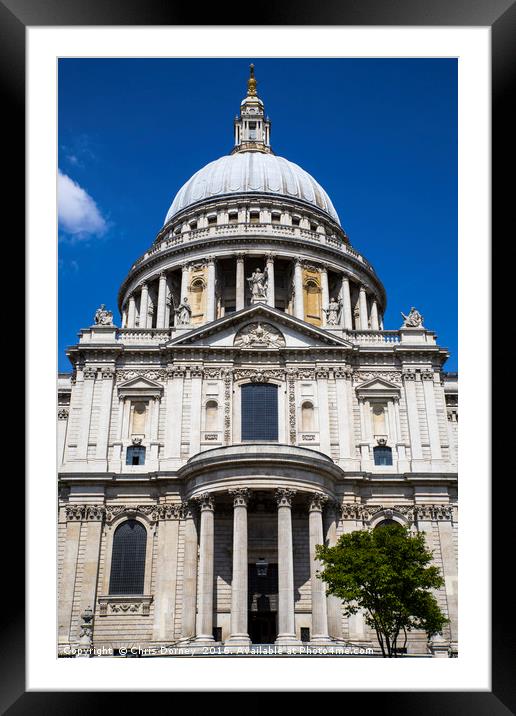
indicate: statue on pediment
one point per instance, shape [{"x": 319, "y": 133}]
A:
[
  {"x": 183, "y": 313},
  {"x": 333, "y": 312},
  {"x": 103, "y": 317},
  {"x": 413, "y": 320},
  {"x": 258, "y": 285}
]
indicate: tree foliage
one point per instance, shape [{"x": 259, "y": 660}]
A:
[{"x": 387, "y": 573}]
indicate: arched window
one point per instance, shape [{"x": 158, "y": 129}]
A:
[
  {"x": 211, "y": 422},
  {"x": 385, "y": 523},
  {"x": 382, "y": 455},
  {"x": 307, "y": 417},
  {"x": 128, "y": 559},
  {"x": 259, "y": 410}
]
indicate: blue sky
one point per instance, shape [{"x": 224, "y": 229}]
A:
[{"x": 379, "y": 135}]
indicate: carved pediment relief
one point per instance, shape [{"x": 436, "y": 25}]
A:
[{"x": 259, "y": 335}]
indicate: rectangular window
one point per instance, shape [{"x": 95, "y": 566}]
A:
[
  {"x": 305, "y": 634},
  {"x": 382, "y": 455},
  {"x": 233, "y": 217},
  {"x": 276, "y": 218},
  {"x": 259, "y": 411},
  {"x": 254, "y": 217},
  {"x": 135, "y": 455},
  {"x": 212, "y": 220}
]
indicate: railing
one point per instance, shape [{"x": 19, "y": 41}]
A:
[
  {"x": 373, "y": 337},
  {"x": 228, "y": 230},
  {"x": 143, "y": 335}
]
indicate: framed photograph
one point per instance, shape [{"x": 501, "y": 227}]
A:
[{"x": 258, "y": 264}]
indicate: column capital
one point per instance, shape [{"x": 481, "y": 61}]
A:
[
  {"x": 363, "y": 288},
  {"x": 284, "y": 496},
  {"x": 185, "y": 265},
  {"x": 270, "y": 256},
  {"x": 162, "y": 274},
  {"x": 187, "y": 509},
  {"x": 211, "y": 259},
  {"x": 317, "y": 502},
  {"x": 240, "y": 255},
  {"x": 241, "y": 496},
  {"x": 206, "y": 502},
  {"x": 143, "y": 285}
]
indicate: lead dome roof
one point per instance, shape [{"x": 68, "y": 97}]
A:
[{"x": 252, "y": 172}]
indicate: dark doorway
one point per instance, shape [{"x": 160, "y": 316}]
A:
[
  {"x": 263, "y": 604},
  {"x": 262, "y": 627}
]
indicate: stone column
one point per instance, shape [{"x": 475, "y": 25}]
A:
[
  {"x": 270, "y": 280},
  {"x": 431, "y": 414},
  {"x": 375, "y": 324},
  {"x": 210, "y": 302},
  {"x": 364, "y": 324},
  {"x": 344, "y": 413},
  {"x": 184, "y": 282},
  {"x": 204, "y": 625},
  {"x": 62, "y": 417},
  {"x": 94, "y": 516},
  {"x": 195, "y": 411},
  {"x": 239, "y": 592},
  {"x": 88, "y": 382},
  {"x": 189, "y": 571},
  {"x": 333, "y": 603},
  {"x": 444, "y": 516},
  {"x": 240, "y": 283},
  {"x": 174, "y": 414},
  {"x": 166, "y": 574},
  {"x": 131, "y": 315},
  {"x": 299, "y": 308},
  {"x": 347, "y": 318},
  {"x": 325, "y": 293},
  {"x": 319, "y": 611},
  {"x": 108, "y": 375},
  {"x": 144, "y": 306},
  {"x": 409, "y": 382},
  {"x": 124, "y": 317},
  {"x": 286, "y": 619},
  {"x": 162, "y": 297},
  {"x": 67, "y": 581},
  {"x": 324, "y": 410}
]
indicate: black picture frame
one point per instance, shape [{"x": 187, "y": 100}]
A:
[{"x": 500, "y": 16}]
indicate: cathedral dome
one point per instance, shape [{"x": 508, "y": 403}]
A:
[{"x": 252, "y": 172}]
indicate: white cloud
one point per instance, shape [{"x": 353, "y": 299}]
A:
[{"x": 78, "y": 213}]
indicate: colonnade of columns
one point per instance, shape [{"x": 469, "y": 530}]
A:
[
  {"x": 201, "y": 626},
  {"x": 365, "y": 315}
]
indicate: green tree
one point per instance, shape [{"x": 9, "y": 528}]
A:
[{"x": 387, "y": 573}]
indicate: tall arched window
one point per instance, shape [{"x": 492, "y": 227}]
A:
[
  {"x": 312, "y": 300},
  {"x": 128, "y": 559},
  {"x": 259, "y": 410},
  {"x": 386, "y": 522},
  {"x": 211, "y": 422},
  {"x": 307, "y": 417}
]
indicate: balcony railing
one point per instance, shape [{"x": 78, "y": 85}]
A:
[{"x": 263, "y": 229}]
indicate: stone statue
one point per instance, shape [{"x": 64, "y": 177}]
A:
[
  {"x": 258, "y": 285},
  {"x": 413, "y": 320},
  {"x": 332, "y": 312},
  {"x": 103, "y": 317},
  {"x": 183, "y": 313}
]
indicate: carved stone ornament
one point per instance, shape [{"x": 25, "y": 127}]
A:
[
  {"x": 111, "y": 604},
  {"x": 152, "y": 374},
  {"x": 284, "y": 496},
  {"x": 412, "y": 513},
  {"x": 258, "y": 376},
  {"x": 317, "y": 502},
  {"x": 259, "y": 335},
  {"x": 62, "y": 414},
  {"x": 240, "y": 495},
  {"x": 83, "y": 513}
]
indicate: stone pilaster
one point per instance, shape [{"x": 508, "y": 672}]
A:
[
  {"x": 189, "y": 571},
  {"x": 270, "y": 280},
  {"x": 240, "y": 282},
  {"x": 210, "y": 299}
]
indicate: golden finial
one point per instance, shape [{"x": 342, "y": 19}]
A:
[{"x": 251, "y": 82}]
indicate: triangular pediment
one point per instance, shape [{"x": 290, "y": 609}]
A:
[
  {"x": 139, "y": 385},
  {"x": 259, "y": 327},
  {"x": 378, "y": 386}
]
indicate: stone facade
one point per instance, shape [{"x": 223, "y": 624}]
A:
[{"x": 166, "y": 387}]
